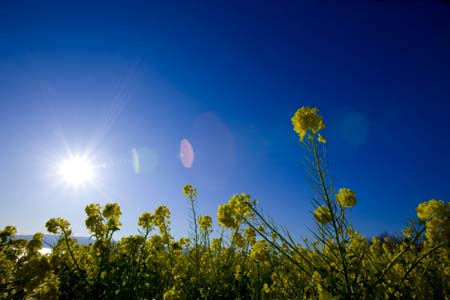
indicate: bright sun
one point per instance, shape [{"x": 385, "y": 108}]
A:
[{"x": 76, "y": 171}]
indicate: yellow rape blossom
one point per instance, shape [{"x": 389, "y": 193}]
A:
[
  {"x": 250, "y": 235},
  {"x": 321, "y": 139},
  {"x": 306, "y": 118},
  {"x": 346, "y": 197},
  {"x": 237, "y": 272},
  {"x": 205, "y": 222},
  {"x": 238, "y": 240},
  {"x": 173, "y": 294},
  {"x": 216, "y": 244},
  {"x": 436, "y": 215},
  {"x": 146, "y": 220},
  {"x": 241, "y": 205},
  {"x": 266, "y": 288},
  {"x": 260, "y": 251},
  {"x": 112, "y": 213},
  {"x": 55, "y": 225},
  {"x": 8, "y": 231},
  {"x": 322, "y": 214},
  {"x": 225, "y": 216},
  {"x": 190, "y": 192},
  {"x": 318, "y": 281},
  {"x": 427, "y": 210},
  {"x": 162, "y": 218}
]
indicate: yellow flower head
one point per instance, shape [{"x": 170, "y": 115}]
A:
[
  {"x": 237, "y": 272},
  {"x": 190, "y": 192},
  {"x": 346, "y": 197},
  {"x": 241, "y": 205},
  {"x": 225, "y": 216},
  {"x": 250, "y": 235},
  {"x": 238, "y": 239},
  {"x": 35, "y": 243},
  {"x": 9, "y": 231},
  {"x": 184, "y": 242},
  {"x": 146, "y": 220},
  {"x": 205, "y": 222},
  {"x": 111, "y": 210},
  {"x": 161, "y": 217},
  {"x": 306, "y": 118},
  {"x": 216, "y": 244},
  {"x": 260, "y": 251},
  {"x": 266, "y": 288},
  {"x": 321, "y": 139},
  {"x": 428, "y": 209},
  {"x": 56, "y": 225},
  {"x": 322, "y": 214},
  {"x": 436, "y": 215}
]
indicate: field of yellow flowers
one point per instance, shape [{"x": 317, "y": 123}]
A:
[{"x": 249, "y": 258}]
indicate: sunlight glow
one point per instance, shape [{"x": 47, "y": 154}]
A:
[{"x": 76, "y": 171}]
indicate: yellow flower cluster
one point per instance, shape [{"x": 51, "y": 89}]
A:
[
  {"x": 35, "y": 244},
  {"x": 146, "y": 221},
  {"x": 216, "y": 244},
  {"x": 162, "y": 214},
  {"x": 225, "y": 216},
  {"x": 99, "y": 221},
  {"x": 238, "y": 240},
  {"x": 436, "y": 215},
  {"x": 430, "y": 209},
  {"x": 321, "y": 139},
  {"x": 205, "y": 223},
  {"x": 250, "y": 235},
  {"x": 173, "y": 294},
  {"x": 322, "y": 214},
  {"x": 9, "y": 231},
  {"x": 112, "y": 213},
  {"x": 346, "y": 197},
  {"x": 230, "y": 214},
  {"x": 190, "y": 192},
  {"x": 260, "y": 251},
  {"x": 55, "y": 225},
  {"x": 237, "y": 272},
  {"x": 241, "y": 204},
  {"x": 266, "y": 288},
  {"x": 111, "y": 210},
  {"x": 323, "y": 293},
  {"x": 94, "y": 220},
  {"x": 306, "y": 118}
]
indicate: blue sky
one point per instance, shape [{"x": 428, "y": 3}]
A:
[{"x": 113, "y": 76}]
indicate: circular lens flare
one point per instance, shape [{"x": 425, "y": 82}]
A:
[
  {"x": 76, "y": 171},
  {"x": 186, "y": 153}
]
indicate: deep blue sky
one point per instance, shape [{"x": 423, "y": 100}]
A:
[{"x": 114, "y": 76}]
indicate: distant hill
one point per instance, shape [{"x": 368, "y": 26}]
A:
[{"x": 49, "y": 239}]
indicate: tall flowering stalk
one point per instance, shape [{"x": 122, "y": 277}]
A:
[
  {"x": 340, "y": 262},
  {"x": 191, "y": 195},
  {"x": 329, "y": 212}
]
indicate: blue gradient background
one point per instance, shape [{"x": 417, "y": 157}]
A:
[{"x": 113, "y": 76}]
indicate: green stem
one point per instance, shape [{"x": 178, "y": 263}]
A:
[
  {"x": 391, "y": 263},
  {"x": 336, "y": 228},
  {"x": 280, "y": 236},
  {"x": 276, "y": 246},
  {"x": 418, "y": 260},
  {"x": 197, "y": 264},
  {"x": 66, "y": 241}
]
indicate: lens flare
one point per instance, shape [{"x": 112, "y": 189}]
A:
[
  {"x": 186, "y": 153},
  {"x": 144, "y": 160}
]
